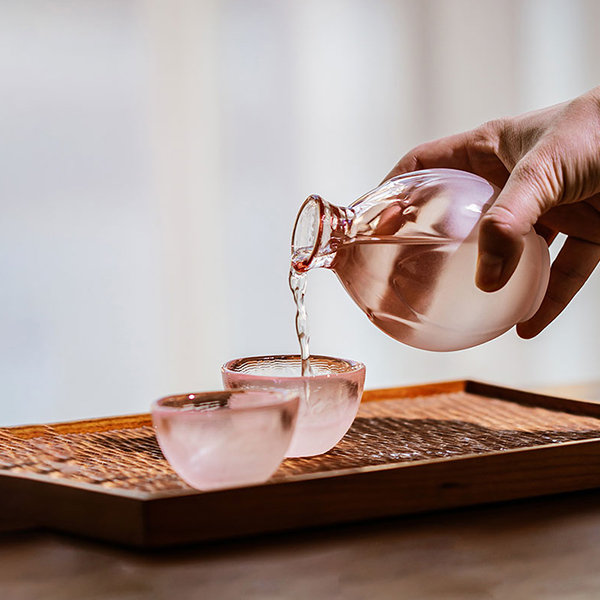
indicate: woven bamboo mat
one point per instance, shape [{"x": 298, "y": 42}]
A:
[{"x": 126, "y": 455}]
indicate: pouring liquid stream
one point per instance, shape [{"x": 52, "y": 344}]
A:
[{"x": 297, "y": 282}]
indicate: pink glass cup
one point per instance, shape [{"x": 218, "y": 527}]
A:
[
  {"x": 225, "y": 439},
  {"x": 330, "y": 397}
]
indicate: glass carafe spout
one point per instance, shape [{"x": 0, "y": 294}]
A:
[{"x": 320, "y": 229}]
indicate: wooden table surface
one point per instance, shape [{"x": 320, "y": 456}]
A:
[{"x": 546, "y": 548}]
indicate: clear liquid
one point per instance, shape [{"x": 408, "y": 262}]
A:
[
  {"x": 424, "y": 294},
  {"x": 297, "y": 282}
]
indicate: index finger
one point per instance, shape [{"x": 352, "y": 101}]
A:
[
  {"x": 449, "y": 152},
  {"x": 473, "y": 151}
]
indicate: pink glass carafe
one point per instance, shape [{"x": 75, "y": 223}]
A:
[{"x": 406, "y": 252}]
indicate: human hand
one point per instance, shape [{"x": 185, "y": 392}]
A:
[{"x": 547, "y": 163}]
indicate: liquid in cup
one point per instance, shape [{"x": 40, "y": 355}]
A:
[
  {"x": 329, "y": 396},
  {"x": 225, "y": 439}
]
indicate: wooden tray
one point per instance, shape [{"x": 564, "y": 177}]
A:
[{"x": 410, "y": 450}]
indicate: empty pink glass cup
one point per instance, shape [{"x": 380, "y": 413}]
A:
[
  {"x": 225, "y": 439},
  {"x": 330, "y": 397}
]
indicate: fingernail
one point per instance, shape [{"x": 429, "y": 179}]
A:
[{"x": 489, "y": 271}]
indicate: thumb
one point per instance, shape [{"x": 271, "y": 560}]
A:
[{"x": 526, "y": 195}]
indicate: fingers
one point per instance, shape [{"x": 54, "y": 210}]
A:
[
  {"x": 390, "y": 220},
  {"x": 448, "y": 153},
  {"x": 579, "y": 219},
  {"x": 548, "y": 233},
  {"x": 572, "y": 267},
  {"x": 527, "y": 194},
  {"x": 473, "y": 151}
]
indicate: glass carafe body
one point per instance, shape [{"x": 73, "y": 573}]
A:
[{"x": 406, "y": 252}]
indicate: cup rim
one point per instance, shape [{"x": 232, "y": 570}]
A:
[
  {"x": 355, "y": 367},
  {"x": 277, "y": 397}
]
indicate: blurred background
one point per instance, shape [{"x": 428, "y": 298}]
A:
[{"x": 154, "y": 155}]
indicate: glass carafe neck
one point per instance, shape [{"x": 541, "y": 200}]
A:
[{"x": 320, "y": 229}]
